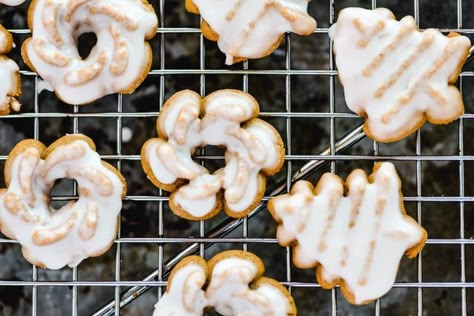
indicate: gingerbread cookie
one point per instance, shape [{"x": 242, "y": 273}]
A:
[
  {"x": 231, "y": 283},
  {"x": 247, "y": 29},
  {"x": 396, "y": 76},
  {"x": 87, "y": 227},
  {"x": 10, "y": 83},
  {"x": 224, "y": 118},
  {"x": 354, "y": 233},
  {"x": 118, "y": 63}
]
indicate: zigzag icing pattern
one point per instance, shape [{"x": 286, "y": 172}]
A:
[
  {"x": 234, "y": 287},
  {"x": 355, "y": 233},
  {"x": 253, "y": 28},
  {"x": 395, "y": 75}
]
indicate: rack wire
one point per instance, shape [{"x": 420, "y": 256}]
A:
[{"x": 340, "y": 150}]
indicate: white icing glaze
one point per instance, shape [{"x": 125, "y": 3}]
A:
[
  {"x": 80, "y": 229},
  {"x": 250, "y": 150},
  {"x": 9, "y": 85},
  {"x": 395, "y": 74},
  {"x": 228, "y": 291},
  {"x": 43, "y": 85},
  {"x": 251, "y": 28},
  {"x": 12, "y": 2},
  {"x": 359, "y": 238},
  {"x": 184, "y": 296},
  {"x": 117, "y": 62}
]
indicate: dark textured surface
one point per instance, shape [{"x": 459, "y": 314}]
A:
[{"x": 441, "y": 263}]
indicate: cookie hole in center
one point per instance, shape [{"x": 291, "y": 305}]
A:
[
  {"x": 212, "y": 157},
  {"x": 62, "y": 190},
  {"x": 86, "y": 43}
]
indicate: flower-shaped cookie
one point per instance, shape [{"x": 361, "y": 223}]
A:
[
  {"x": 251, "y": 28},
  {"x": 10, "y": 84},
  {"x": 188, "y": 122},
  {"x": 231, "y": 283},
  {"x": 354, "y": 233},
  {"x": 118, "y": 63},
  {"x": 53, "y": 238},
  {"x": 395, "y": 76}
]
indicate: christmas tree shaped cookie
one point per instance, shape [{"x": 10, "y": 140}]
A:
[
  {"x": 396, "y": 76},
  {"x": 354, "y": 233}
]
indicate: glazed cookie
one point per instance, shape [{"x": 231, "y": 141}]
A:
[
  {"x": 231, "y": 283},
  {"x": 87, "y": 227},
  {"x": 396, "y": 76},
  {"x": 247, "y": 29},
  {"x": 118, "y": 63},
  {"x": 10, "y": 84},
  {"x": 224, "y": 118},
  {"x": 355, "y": 233}
]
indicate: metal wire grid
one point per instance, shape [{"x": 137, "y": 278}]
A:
[{"x": 157, "y": 279}]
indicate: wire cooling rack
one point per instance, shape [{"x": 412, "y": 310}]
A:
[{"x": 319, "y": 136}]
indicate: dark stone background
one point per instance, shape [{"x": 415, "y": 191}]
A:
[{"x": 309, "y": 94}]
